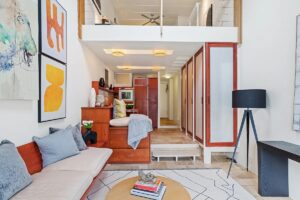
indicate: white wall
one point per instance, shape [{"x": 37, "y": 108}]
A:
[
  {"x": 18, "y": 119},
  {"x": 267, "y": 60},
  {"x": 107, "y": 9}
]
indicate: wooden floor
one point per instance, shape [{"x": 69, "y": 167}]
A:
[
  {"x": 167, "y": 122},
  {"x": 170, "y": 136}
]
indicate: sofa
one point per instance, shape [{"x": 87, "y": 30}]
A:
[{"x": 69, "y": 179}]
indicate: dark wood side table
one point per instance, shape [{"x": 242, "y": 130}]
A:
[
  {"x": 132, "y": 111},
  {"x": 273, "y": 167}
]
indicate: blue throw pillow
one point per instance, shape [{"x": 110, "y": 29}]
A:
[
  {"x": 56, "y": 147},
  {"x": 14, "y": 175},
  {"x": 76, "y": 134}
]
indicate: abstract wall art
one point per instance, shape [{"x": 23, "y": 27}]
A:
[
  {"x": 296, "y": 124},
  {"x": 19, "y": 49},
  {"x": 52, "y": 103},
  {"x": 53, "y": 30}
]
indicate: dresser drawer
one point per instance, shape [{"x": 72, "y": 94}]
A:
[
  {"x": 100, "y": 115},
  {"x": 130, "y": 156}
]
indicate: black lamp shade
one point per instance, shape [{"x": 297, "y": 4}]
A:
[{"x": 254, "y": 98}]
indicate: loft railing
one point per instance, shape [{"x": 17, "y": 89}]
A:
[{"x": 219, "y": 13}]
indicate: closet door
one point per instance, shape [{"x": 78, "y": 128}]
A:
[
  {"x": 221, "y": 80},
  {"x": 183, "y": 97},
  {"x": 190, "y": 97},
  {"x": 141, "y": 95},
  {"x": 199, "y": 106},
  {"x": 153, "y": 98}
]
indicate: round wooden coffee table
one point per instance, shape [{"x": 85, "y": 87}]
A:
[{"x": 122, "y": 190}]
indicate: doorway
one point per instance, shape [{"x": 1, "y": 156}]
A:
[{"x": 169, "y": 102}]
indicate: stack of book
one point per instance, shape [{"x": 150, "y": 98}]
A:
[{"x": 154, "y": 191}]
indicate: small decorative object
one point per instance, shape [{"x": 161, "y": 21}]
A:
[
  {"x": 88, "y": 124},
  {"x": 129, "y": 106},
  {"x": 53, "y": 89},
  {"x": 111, "y": 87},
  {"x": 147, "y": 178},
  {"x": 90, "y": 137},
  {"x": 100, "y": 100},
  {"x": 92, "y": 98},
  {"x": 102, "y": 82}
]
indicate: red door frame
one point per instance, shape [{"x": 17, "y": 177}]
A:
[
  {"x": 207, "y": 95},
  {"x": 182, "y": 100},
  {"x": 202, "y": 95},
  {"x": 187, "y": 95}
]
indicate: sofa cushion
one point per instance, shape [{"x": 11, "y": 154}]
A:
[
  {"x": 14, "y": 175},
  {"x": 56, "y": 185},
  {"x": 119, "y": 109},
  {"x": 76, "y": 134},
  {"x": 120, "y": 122},
  {"x": 91, "y": 160},
  {"x": 56, "y": 147}
]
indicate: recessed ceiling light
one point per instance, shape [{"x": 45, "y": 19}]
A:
[
  {"x": 154, "y": 68},
  {"x": 117, "y": 53},
  {"x": 122, "y": 52},
  {"x": 160, "y": 53}
]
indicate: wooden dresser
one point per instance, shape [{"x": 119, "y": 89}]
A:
[{"x": 101, "y": 118}]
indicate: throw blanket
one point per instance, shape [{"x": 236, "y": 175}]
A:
[{"x": 138, "y": 128}]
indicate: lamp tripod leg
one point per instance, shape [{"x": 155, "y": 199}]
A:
[
  {"x": 253, "y": 125},
  {"x": 237, "y": 143}
]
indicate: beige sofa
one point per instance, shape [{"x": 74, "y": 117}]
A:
[{"x": 68, "y": 179}]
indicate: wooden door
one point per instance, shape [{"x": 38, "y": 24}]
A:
[
  {"x": 190, "y": 96},
  {"x": 153, "y": 100},
  {"x": 221, "y": 80},
  {"x": 183, "y": 97},
  {"x": 141, "y": 95},
  {"x": 199, "y": 91}
]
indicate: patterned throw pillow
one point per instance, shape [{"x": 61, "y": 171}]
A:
[
  {"x": 119, "y": 109},
  {"x": 14, "y": 175}
]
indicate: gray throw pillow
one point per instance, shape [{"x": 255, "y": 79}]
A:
[
  {"x": 14, "y": 175},
  {"x": 76, "y": 134},
  {"x": 56, "y": 147}
]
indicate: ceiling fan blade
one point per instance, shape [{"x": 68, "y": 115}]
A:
[
  {"x": 156, "y": 18},
  {"x": 155, "y": 22},
  {"x": 143, "y": 15},
  {"x": 146, "y": 23}
]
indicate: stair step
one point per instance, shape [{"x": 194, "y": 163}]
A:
[{"x": 176, "y": 153}]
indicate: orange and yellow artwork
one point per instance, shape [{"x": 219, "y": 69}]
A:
[
  {"x": 52, "y": 23},
  {"x": 52, "y": 103},
  {"x": 53, "y": 27},
  {"x": 53, "y": 96}
]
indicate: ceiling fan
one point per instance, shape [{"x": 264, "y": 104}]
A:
[{"x": 152, "y": 19}]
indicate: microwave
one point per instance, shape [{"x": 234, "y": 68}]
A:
[{"x": 126, "y": 95}]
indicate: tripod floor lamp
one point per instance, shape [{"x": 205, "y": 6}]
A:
[{"x": 254, "y": 98}]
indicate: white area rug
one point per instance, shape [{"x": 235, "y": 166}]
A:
[{"x": 202, "y": 184}]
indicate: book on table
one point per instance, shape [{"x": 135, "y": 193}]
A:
[
  {"x": 150, "y": 195},
  {"x": 150, "y": 187}
]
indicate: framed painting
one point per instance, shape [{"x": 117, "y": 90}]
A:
[
  {"x": 19, "y": 50},
  {"x": 53, "y": 30},
  {"x": 296, "y": 124},
  {"x": 52, "y": 103}
]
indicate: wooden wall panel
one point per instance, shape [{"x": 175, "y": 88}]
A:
[
  {"x": 190, "y": 97},
  {"x": 183, "y": 97}
]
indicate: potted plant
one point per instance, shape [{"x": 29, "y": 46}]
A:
[{"x": 87, "y": 124}]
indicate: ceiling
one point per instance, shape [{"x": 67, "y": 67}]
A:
[
  {"x": 183, "y": 51},
  {"x": 129, "y": 11}
]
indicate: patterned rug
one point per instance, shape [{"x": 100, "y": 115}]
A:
[{"x": 202, "y": 184}]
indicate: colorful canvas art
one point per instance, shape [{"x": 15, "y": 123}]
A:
[
  {"x": 296, "y": 124},
  {"x": 19, "y": 49},
  {"x": 53, "y": 19},
  {"x": 52, "y": 104}
]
